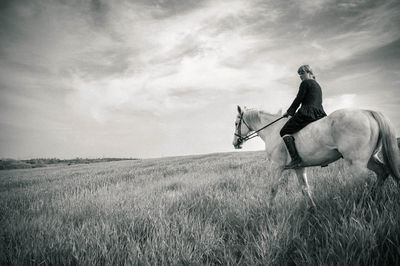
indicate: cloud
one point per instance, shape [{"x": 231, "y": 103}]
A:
[{"x": 192, "y": 51}]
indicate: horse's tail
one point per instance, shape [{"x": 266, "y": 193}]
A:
[{"x": 390, "y": 150}]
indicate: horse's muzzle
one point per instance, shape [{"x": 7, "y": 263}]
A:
[{"x": 238, "y": 144}]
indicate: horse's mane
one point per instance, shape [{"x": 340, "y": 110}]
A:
[{"x": 253, "y": 115}]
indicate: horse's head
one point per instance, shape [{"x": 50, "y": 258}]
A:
[{"x": 241, "y": 129}]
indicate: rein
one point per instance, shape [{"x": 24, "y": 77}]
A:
[{"x": 254, "y": 133}]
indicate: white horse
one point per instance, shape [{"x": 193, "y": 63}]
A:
[{"x": 354, "y": 135}]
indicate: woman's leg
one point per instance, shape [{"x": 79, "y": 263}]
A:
[{"x": 293, "y": 125}]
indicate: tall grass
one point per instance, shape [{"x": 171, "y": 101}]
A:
[{"x": 194, "y": 210}]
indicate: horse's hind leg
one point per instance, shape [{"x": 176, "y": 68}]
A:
[
  {"x": 358, "y": 169},
  {"x": 379, "y": 168},
  {"x": 303, "y": 183}
]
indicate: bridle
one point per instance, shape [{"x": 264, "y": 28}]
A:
[
  {"x": 252, "y": 134},
  {"x": 242, "y": 139}
]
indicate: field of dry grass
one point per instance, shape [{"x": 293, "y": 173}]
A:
[{"x": 194, "y": 210}]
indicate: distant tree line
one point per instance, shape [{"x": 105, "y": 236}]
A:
[{"x": 42, "y": 162}]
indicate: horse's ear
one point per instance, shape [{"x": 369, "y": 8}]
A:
[{"x": 239, "y": 109}]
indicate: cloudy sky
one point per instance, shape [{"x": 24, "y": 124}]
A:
[{"x": 152, "y": 78}]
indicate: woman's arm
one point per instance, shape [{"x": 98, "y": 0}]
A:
[{"x": 298, "y": 100}]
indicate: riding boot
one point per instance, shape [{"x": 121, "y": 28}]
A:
[{"x": 291, "y": 147}]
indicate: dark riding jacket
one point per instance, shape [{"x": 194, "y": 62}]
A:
[{"x": 310, "y": 98}]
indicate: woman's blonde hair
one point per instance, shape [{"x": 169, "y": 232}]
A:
[{"x": 306, "y": 68}]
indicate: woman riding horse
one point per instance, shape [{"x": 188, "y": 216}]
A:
[{"x": 310, "y": 98}]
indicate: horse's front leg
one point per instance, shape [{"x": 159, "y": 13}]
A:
[
  {"x": 278, "y": 161},
  {"x": 278, "y": 179},
  {"x": 303, "y": 183}
]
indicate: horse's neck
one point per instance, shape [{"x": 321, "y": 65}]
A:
[{"x": 269, "y": 135}]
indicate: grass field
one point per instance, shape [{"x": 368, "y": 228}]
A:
[{"x": 194, "y": 210}]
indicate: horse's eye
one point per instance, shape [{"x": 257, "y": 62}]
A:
[{"x": 236, "y": 123}]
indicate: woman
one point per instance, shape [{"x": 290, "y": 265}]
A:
[{"x": 310, "y": 98}]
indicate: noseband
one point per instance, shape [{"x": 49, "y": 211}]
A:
[{"x": 253, "y": 134}]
